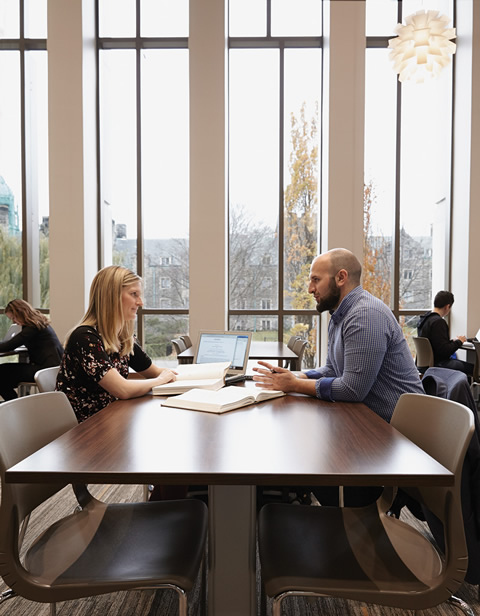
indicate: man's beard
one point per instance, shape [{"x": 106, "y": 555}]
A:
[{"x": 330, "y": 301}]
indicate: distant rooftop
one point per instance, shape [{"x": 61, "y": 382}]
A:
[{"x": 6, "y": 194}]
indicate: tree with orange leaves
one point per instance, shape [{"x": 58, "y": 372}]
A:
[{"x": 376, "y": 272}]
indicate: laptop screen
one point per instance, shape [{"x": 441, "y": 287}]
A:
[
  {"x": 470, "y": 340},
  {"x": 224, "y": 346}
]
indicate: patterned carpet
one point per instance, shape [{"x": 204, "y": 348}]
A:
[{"x": 164, "y": 603}]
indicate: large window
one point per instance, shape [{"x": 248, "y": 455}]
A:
[
  {"x": 144, "y": 146},
  {"x": 23, "y": 154},
  {"x": 408, "y": 144},
  {"x": 273, "y": 89},
  {"x": 275, "y": 70}
]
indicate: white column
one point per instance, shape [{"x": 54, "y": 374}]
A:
[
  {"x": 344, "y": 120},
  {"x": 465, "y": 253},
  {"x": 72, "y": 158},
  {"x": 208, "y": 263},
  {"x": 343, "y": 132}
]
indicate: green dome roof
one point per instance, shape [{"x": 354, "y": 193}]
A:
[{"x": 6, "y": 194}]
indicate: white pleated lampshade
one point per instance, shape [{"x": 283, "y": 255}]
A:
[{"x": 423, "y": 46}]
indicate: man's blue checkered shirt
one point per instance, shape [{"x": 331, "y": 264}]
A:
[{"x": 368, "y": 357}]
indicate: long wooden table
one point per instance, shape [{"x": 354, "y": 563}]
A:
[
  {"x": 268, "y": 350},
  {"x": 295, "y": 440}
]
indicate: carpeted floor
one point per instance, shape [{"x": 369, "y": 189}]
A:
[{"x": 163, "y": 603}]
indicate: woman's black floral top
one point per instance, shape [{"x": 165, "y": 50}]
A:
[{"x": 85, "y": 362}]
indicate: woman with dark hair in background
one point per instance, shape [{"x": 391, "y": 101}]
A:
[{"x": 37, "y": 335}]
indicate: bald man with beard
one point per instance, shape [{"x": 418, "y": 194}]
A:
[{"x": 368, "y": 358}]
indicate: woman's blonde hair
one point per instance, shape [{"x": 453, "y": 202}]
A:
[
  {"x": 105, "y": 311},
  {"x": 25, "y": 314}
]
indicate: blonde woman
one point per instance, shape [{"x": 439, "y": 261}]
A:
[
  {"x": 102, "y": 347},
  {"x": 37, "y": 335}
]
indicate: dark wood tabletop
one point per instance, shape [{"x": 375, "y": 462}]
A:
[
  {"x": 295, "y": 440},
  {"x": 270, "y": 350}
]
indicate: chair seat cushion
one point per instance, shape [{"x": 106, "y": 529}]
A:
[
  {"x": 341, "y": 551},
  {"x": 122, "y": 546}
]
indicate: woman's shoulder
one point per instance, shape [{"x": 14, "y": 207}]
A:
[
  {"x": 83, "y": 332},
  {"x": 48, "y": 330},
  {"x": 29, "y": 330}
]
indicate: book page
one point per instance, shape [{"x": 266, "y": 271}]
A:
[
  {"x": 267, "y": 394},
  {"x": 179, "y": 387},
  {"x": 209, "y": 401},
  {"x": 201, "y": 371},
  {"x": 226, "y": 395},
  {"x": 224, "y": 399}
]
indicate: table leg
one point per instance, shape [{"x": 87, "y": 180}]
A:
[
  {"x": 231, "y": 555},
  {"x": 469, "y": 354}
]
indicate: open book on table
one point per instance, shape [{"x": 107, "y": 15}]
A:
[
  {"x": 199, "y": 376},
  {"x": 225, "y": 399}
]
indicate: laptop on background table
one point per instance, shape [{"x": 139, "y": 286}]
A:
[
  {"x": 232, "y": 346},
  {"x": 469, "y": 343}
]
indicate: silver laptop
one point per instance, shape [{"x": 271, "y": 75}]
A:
[
  {"x": 471, "y": 340},
  {"x": 214, "y": 346},
  {"x": 12, "y": 331}
]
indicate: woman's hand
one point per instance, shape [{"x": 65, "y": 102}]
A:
[
  {"x": 122, "y": 388},
  {"x": 166, "y": 376}
]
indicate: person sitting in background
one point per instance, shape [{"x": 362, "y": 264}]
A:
[
  {"x": 37, "y": 335},
  {"x": 433, "y": 326},
  {"x": 102, "y": 348}
]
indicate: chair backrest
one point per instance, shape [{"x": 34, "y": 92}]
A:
[
  {"x": 299, "y": 348},
  {"x": 178, "y": 345},
  {"x": 46, "y": 378},
  {"x": 443, "y": 428},
  {"x": 291, "y": 341},
  {"x": 476, "y": 366},
  {"x": 187, "y": 340},
  {"x": 26, "y": 425},
  {"x": 424, "y": 352}
]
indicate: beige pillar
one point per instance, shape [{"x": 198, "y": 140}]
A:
[
  {"x": 72, "y": 158},
  {"x": 344, "y": 111},
  {"x": 208, "y": 216},
  {"x": 343, "y": 133},
  {"x": 465, "y": 253}
]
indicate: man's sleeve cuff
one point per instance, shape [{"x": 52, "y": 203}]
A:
[
  {"x": 312, "y": 374},
  {"x": 324, "y": 388}
]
